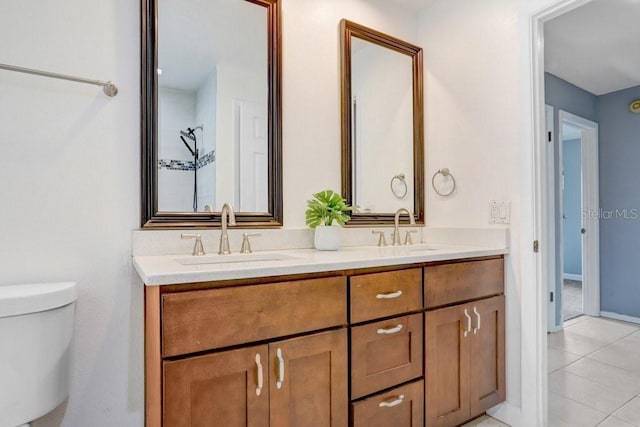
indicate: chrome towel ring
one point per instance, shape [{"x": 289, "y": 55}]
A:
[
  {"x": 447, "y": 174},
  {"x": 399, "y": 186}
]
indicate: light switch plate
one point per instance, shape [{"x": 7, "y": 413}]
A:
[{"x": 500, "y": 212}]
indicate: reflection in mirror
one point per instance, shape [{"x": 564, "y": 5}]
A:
[
  {"x": 382, "y": 125},
  {"x": 213, "y": 89}
]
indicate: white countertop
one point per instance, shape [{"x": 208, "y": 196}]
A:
[{"x": 171, "y": 269}]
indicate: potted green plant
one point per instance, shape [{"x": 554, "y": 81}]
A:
[{"x": 326, "y": 212}]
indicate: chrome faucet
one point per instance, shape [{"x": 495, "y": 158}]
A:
[
  {"x": 227, "y": 212},
  {"x": 396, "y": 225}
]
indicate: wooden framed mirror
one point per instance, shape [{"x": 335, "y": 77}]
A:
[
  {"x": 211, "y": 112},
  {"x": 382, "y": 125}
]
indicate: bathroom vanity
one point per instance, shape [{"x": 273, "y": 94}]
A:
[{"x": 359, "y": 337}]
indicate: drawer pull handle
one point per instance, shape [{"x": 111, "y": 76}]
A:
[
  {"x": 396, "y": 402},
  {"x": 388, "y": 331},
  {"x": 475, "y": 330},
  {"x": 280, "y": 369},
  {"x": 260, "y": 377},
  {"x": 466, "y": 314},
  {"x": 390, "y": 295}
]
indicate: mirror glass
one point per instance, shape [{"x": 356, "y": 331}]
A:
[
  {"x": 214, "y": 95},
  {"x": 382, "y": 124},
  {"x": 382, "y": 150}
]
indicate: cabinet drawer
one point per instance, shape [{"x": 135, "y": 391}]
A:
[
  {"x": 463, "y": 281},
  {"x": 384, "y": 354},
  {"x": 401, "y": 407},
  {"x": 207, "y": 319},
  {"x": 379, "y": 295}
]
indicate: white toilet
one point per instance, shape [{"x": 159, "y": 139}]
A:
[{"x": 36, "y": 331}]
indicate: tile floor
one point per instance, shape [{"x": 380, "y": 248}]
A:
[{"x": 594, "y": 374}]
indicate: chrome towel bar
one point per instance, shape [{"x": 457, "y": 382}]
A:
[{"x": 109, "y": 88}]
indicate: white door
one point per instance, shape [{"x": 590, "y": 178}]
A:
[
  {"x": 251, "y": 157},
  {"x": 590, "y": 209}
]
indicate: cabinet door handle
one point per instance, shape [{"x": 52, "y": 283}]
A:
[
  {"x": 389, "y": 331},
  {"x": 260, "y": 377},
  {"x": 386, "y": 404},
  {"x": 280, "y": 369},
  {"x": 389, "y": 295},
  {"x": 475, "y": 311},
  {"x": 466, "y": 314}
]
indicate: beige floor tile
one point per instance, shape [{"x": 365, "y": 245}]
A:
[
  {"x": 607, "y": 375},
  {"x": 620, "y": 354},
  {"x": 604, "y": 330},
  {"x": 615, "y": 422},
  {"x": 630, "y": 412},
  {"x": 574, "y": 343},
  {"x": 565, "y": 412},
  {"x": 559, "y": 358},
  {"x": 485, "y": 421},
  {"x": 588, "y": 392},
  {"x": 635, "y": 337}
]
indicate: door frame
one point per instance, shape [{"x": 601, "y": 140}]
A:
[
  {"x": 590, "y": 210},
  {"x": 550, "y": 155},
  {"x": 534, "y": 268}
]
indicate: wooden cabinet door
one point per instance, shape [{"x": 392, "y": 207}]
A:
[
  {"x": 447, "y": 366},
  {"x": 218, "y": 389},
  {"x": 487, "y": 354},
  {"x": 308, "y": 384}
]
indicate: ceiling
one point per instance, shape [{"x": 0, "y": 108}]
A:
[
  {"x": 195, "y": 36},
  {"x": 596, "y": 46}
]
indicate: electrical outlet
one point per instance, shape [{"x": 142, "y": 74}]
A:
[{"x": 500, "y": 212}]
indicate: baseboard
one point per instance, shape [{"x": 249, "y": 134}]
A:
[
  {"x": 555, "y": 328},
  {"x": 569, "y": 276},
  {"x": 507, "y": 413},
  {"x": 622, "y": 317}
]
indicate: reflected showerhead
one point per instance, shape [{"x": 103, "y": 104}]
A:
[{"x": 188, "y": 134}]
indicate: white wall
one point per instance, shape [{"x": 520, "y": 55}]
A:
[
  {"x": 472, "y": 128},
  {"x": 479, "y": 123},
  {"x": 69, "y": 185},
  {"x": 311, "y": 89}
]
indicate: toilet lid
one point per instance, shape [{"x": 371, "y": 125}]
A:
[{"x": 31, "y": 298}]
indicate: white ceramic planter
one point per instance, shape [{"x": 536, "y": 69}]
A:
[{"x": 327, "y": 238}]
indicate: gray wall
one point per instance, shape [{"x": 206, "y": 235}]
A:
[
  {"x": 565, "y": 96},
  {"x": 572, "y": 207},
  {"x": 620, "y": 190}
]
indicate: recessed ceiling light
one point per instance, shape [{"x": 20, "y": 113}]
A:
[{"x": 159, "y": 71}]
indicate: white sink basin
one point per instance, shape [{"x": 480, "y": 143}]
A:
[
  {"x": 428, "y": 248},
  {"x": 232, "y": 258}
]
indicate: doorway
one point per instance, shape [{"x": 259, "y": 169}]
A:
[{"x": 572, "y": 256}]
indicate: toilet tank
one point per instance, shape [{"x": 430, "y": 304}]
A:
[{"x": 36, "y": 331}]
